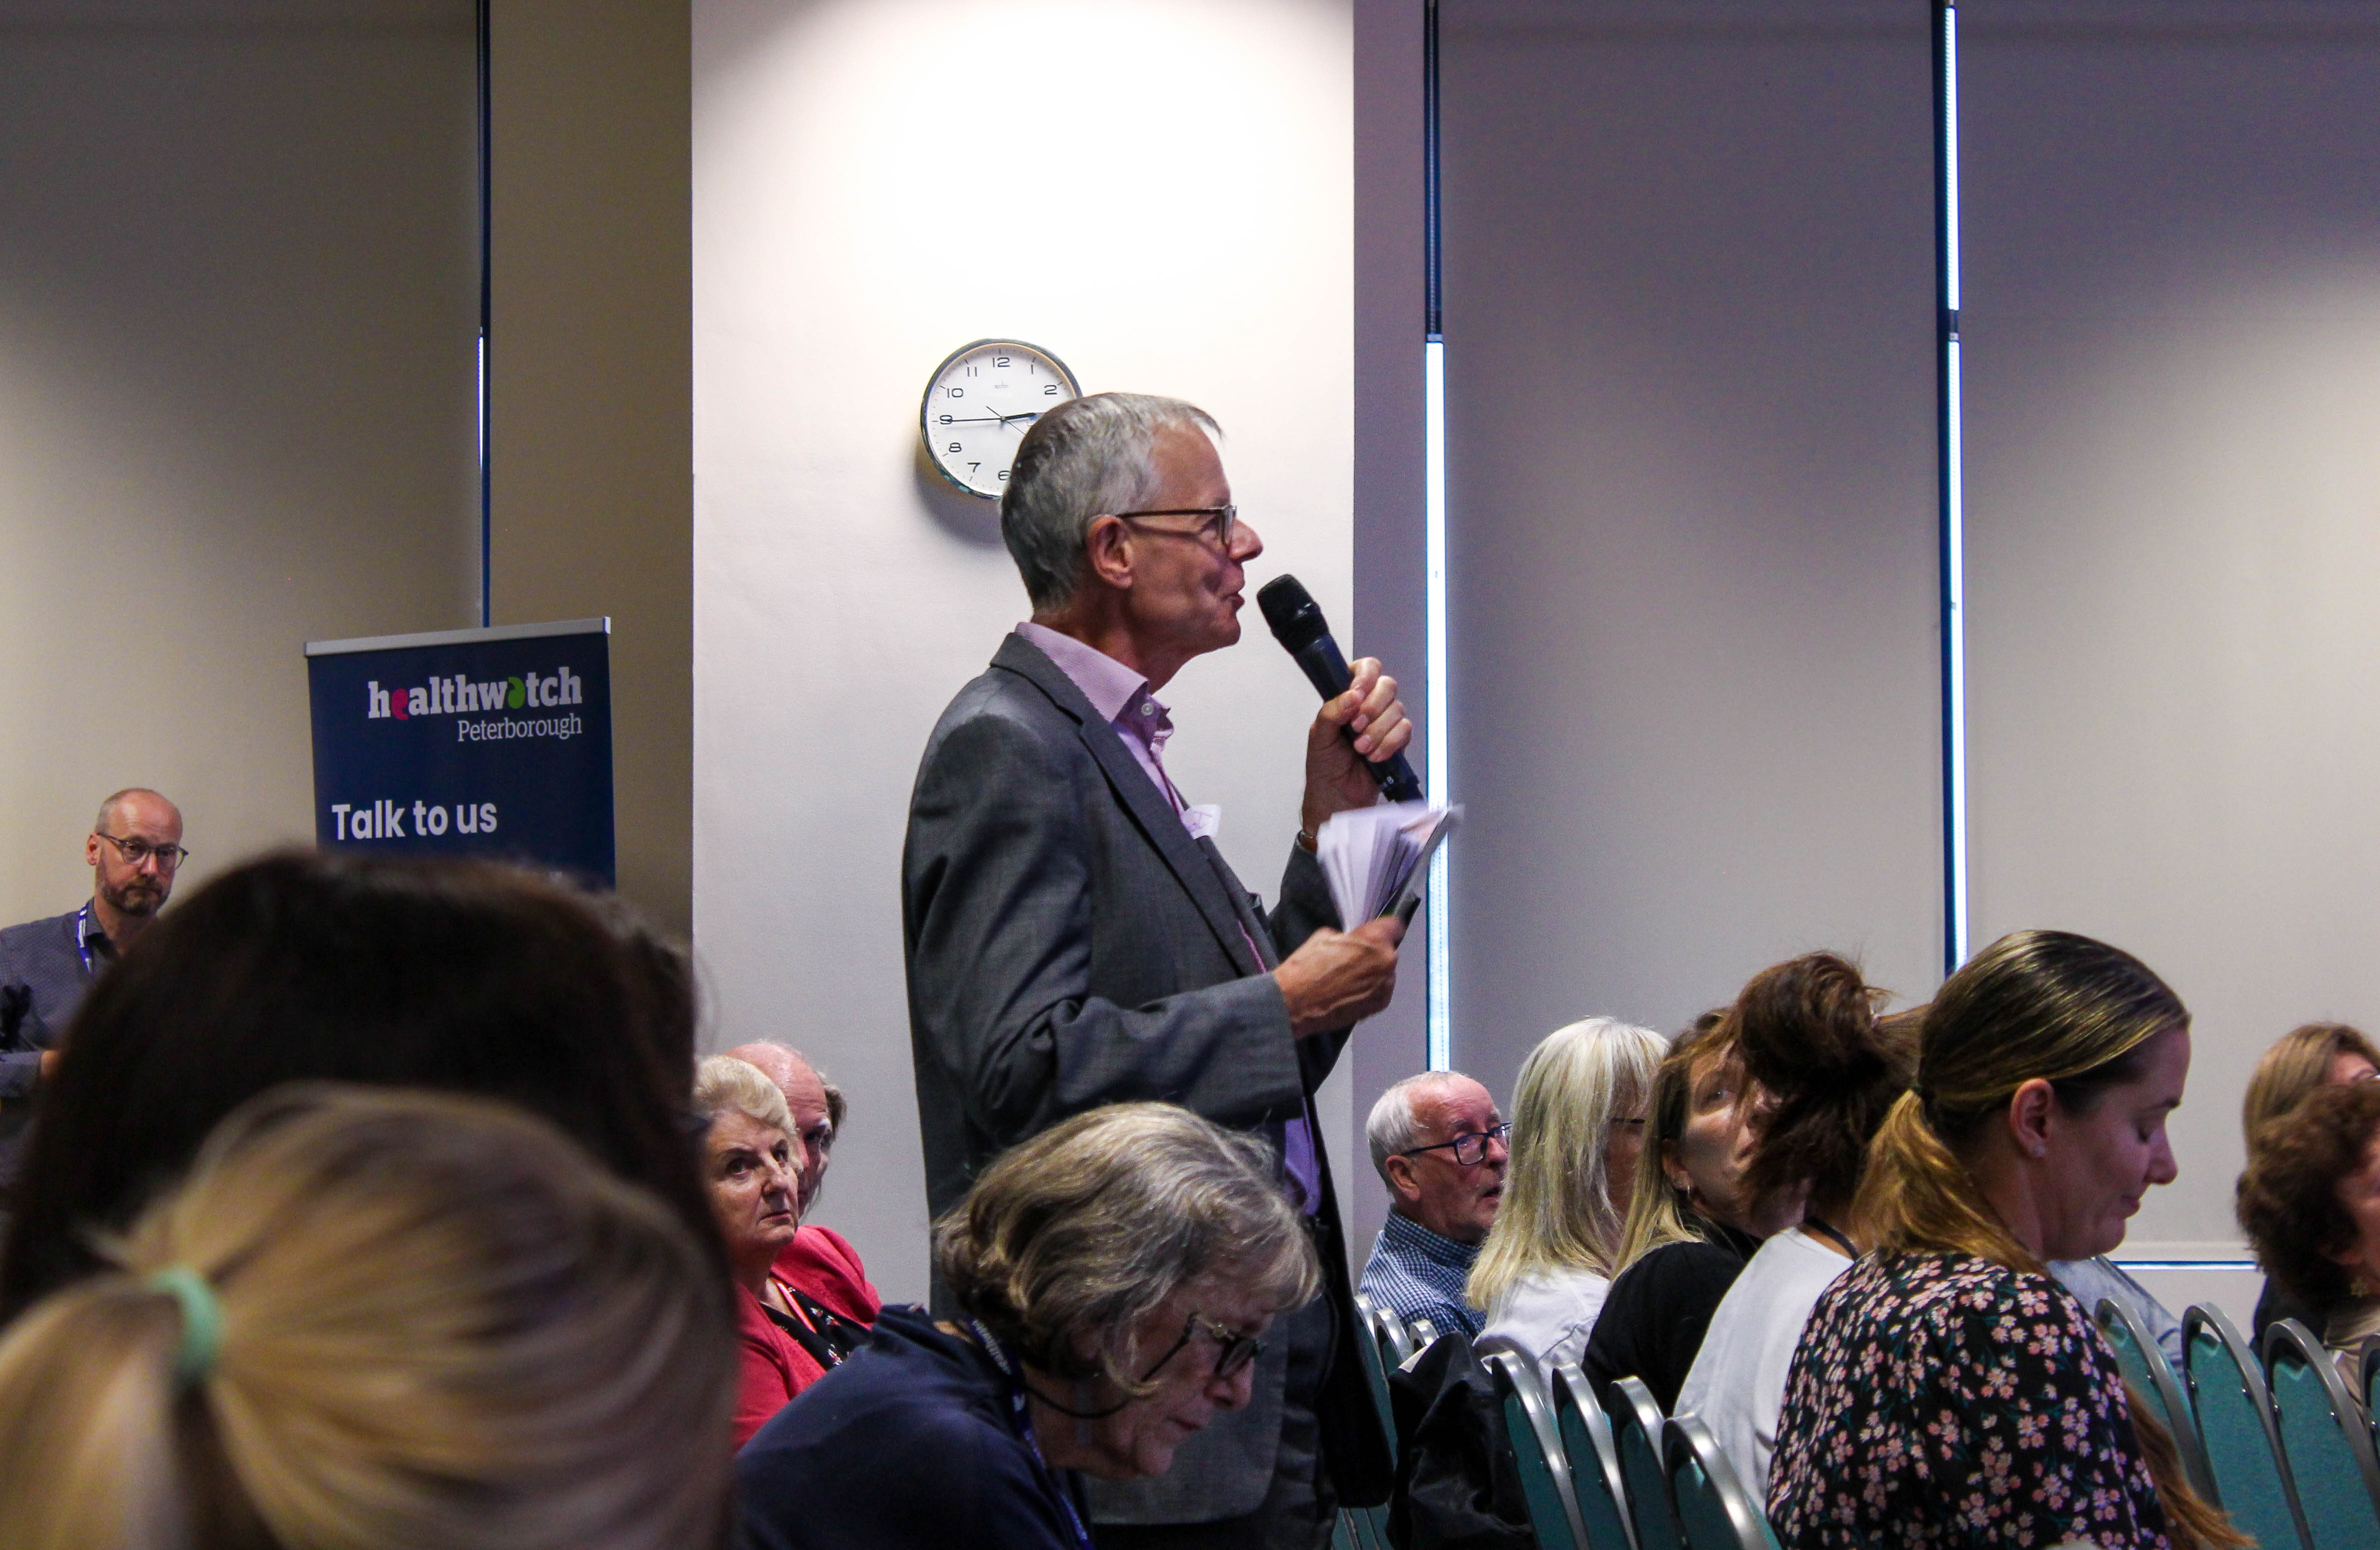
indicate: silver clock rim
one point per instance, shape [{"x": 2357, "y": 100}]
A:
[{"x": 926, "y": 400}]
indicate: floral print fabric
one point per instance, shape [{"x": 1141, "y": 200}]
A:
[{"x": 1943, "y": 1399}]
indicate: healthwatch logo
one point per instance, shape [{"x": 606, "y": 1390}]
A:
[{"x": 461, "y": 695}]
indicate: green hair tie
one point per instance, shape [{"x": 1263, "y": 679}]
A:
[{"x": 201, "y": 1322}]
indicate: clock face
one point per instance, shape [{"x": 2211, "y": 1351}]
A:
[{"x": 978, "y": 404}]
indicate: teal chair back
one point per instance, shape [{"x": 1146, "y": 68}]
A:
[
  {"x": 1638, "y": 1439},
  {"x": 1714, "y": 1510},
  {"x": 2325, "y": 1439},
  {"x": 2234, "y": 1411},
  {"x": 2156, "y": 1384},
  {"x": 1375, "y": 1368},
  {"x": 1536, "y": 1443},
  {"x": 1595, "y": 1483},
  {"x": 1395, "y": 1342}
]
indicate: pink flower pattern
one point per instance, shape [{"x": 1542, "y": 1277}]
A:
[{"x": 1945, "y": 1400}]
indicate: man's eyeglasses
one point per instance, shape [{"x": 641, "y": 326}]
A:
[
  {"x": 1216, "y": 529},
  {"x": 1469, "y": 1150},
  {"x": 136, "y": 850},
  {"x": 1232, "y": 1352}
]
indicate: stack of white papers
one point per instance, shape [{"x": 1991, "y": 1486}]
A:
[{"x": 1378, "y": 858}]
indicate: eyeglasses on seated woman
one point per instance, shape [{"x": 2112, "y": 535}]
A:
[{"x": 1110, "y": 1283}]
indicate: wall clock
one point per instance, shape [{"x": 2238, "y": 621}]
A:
[{"x": 979, "y": 404}]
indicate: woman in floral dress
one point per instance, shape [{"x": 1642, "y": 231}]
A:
[{"x": 1947, "y": 1391}]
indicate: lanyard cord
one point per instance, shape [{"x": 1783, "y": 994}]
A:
[
  {"x": 1813, "y": 1224},
  {"x": 1021, "y": 1419}
]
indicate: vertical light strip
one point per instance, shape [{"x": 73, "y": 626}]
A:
[
  {"x": 1438, "y": 1013},
  {"x": 487, "y": 505},
  {"x": 1440, "y": 1026},
  {"x": 1954, "y": 525}
]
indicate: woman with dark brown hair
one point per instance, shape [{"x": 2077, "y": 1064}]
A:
[
  {"x": 1809, "y": 1034},
  {"x": 2300, "y": 1063},
  {"x": 1947, "y": 1389},
  {"x": 457, "y": 976},
  {"x": 2310, "y": 1204}
]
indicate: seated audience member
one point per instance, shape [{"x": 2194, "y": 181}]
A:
[
  {"x": 1115, "y": 1277},
  {"x": 1578, "y": 1123},
  {"x": 351, "y": 967},
  {"x": 1691, "y": 1222},
  {"x": 1440, "y": 1147},
  {"x": 755, "y": 1177},
  {"x": 1807, "y": 1033},
  {"x": 377, "y": 1317},
  {"x": 134, "y": 850},
  {"x": 819, "y": 1267},
  {"x": 2310, "y": 1204},
  {"x": 2300, "y": 1063},
  {"x": 1947, "y": 1390}
]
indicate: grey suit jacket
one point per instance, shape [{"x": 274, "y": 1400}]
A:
[{"x": 1070, "y": 945}]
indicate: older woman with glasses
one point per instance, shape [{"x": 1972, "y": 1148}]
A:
[{"x": 1112, "y": 1280}]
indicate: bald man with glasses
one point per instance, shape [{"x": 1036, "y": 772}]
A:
[{"x": 135, "y": 852}]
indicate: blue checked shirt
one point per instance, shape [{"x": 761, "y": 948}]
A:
[{"x": 1413, "y": 1273}]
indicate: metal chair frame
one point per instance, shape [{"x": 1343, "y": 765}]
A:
[
  {"x": 1637, "y": 1440},
  {"x": 1710, "y": 1493},
  {"x": 2207, "y": 1323},
  {"x": 1595, "y": 1481},
  {"x": 2291, "y": 1342},
  {"x": 1536, "y": 1442},
  {"x": 2145, "y": 1366}
]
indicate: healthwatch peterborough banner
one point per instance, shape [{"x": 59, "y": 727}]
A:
[{"x": 494, "y": 742}]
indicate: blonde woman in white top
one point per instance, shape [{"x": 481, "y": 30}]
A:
[{"x": 1578, "y": 1124}]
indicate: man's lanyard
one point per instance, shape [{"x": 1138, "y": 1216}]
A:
[
  {"x": 82, "y": 937},
  {"x": 1021, "y": 1418}
]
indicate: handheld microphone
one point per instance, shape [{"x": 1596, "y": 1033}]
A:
[{"x": 1297, "y": 624}]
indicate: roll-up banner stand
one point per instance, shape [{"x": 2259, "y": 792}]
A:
[{"x": 494, "y": 741}]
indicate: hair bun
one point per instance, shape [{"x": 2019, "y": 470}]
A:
[{"x": 1808, "y": 1024}]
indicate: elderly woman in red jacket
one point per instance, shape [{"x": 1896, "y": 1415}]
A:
[{"x": 753, "y": 1171}]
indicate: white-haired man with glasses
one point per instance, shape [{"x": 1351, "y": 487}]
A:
[
  {"x": 135, "y": 851},
  {"x": 1442, "y": 1148},
  {"x": 1074, "y": 939}
]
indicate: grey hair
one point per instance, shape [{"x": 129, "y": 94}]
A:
[
  {"x": 1073, "y": 1237},
  {"x": 1085, "y": 458},
  {"x": 722, "y": 1083},
  {"x": 1393, "y": 1127}
]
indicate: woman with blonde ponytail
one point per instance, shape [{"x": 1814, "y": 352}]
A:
[
  {"x": 384, "y": 1319},
  {"x": 1947, "y": 1390}
]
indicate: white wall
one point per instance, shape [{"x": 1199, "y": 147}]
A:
[
  {"x": 1158, "y": 190},
  {"x": 239, "y": 281},
  {"x": 2171, "y": 328}
]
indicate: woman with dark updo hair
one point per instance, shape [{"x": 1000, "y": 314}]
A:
[{"x": 1809, "y": 1034}]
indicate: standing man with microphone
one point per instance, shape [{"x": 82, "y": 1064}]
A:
[{"x": 1074, "y": 939}]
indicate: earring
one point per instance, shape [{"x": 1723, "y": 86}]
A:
[{"x": 2039, "y": 1150}]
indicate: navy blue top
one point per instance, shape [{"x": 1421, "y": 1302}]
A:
[
  {"x": 45, "y": 965},
  {"x": 908, "y": 1445}
]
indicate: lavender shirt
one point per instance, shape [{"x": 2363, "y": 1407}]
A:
[{"x": 1140, "y": 719}]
